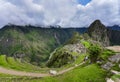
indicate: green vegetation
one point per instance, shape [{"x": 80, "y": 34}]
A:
[
  {"x": 106, "y": 54},
  {"x": 94, "y": 53},
  {"x": 59, "y": 58},
  {"x": 69, "y": 53},
  {"x": 16, "y": 64},
  {"x": 116, "y": 77},
  {"x": 116, "y": 67},
  {"x": 75, "y": 38},
  {"x": 86, "y": 43},
  {"x": 90, "y": 73},
  {"x": 35, "y": 44},
  {"x": 23, "y": 44}
]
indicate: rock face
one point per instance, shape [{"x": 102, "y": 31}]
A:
[
  {"x": 78, "y": 48},
  {"x": 115, "y": 58},
  {"x": 107, "y": 66},
  {"x": 98, "y": 32},
  {"x": 114, "y": 36}
]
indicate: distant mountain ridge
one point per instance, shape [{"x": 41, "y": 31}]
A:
[
  {"x": 31, "y": 43},
  {"x": 115, "y": 27}
]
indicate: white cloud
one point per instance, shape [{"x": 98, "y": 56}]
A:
[
  {"x": 107, "y": 11},
  {"x": 59, "y": 12}
]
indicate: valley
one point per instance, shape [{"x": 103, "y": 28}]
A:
[{"x": 74, "y": 54}]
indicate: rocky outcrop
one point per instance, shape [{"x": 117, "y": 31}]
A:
[
  {"x": 114, "y": 36},
  {"x": 108, "y": 65},
  {"x": 98, "y": 32},
  {"x": 113, "y": 60},
  {"x": 78, "y": 48}
]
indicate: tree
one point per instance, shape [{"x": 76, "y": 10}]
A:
[{"x": 94, "y": 52}]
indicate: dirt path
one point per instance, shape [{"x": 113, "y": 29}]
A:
[
  {"x": 115, "y": 72},
  {"x": 114, "y": 48},
  {"x": 109, "y": 80},
  {"x": 20, "y": 73},
  {"x": 66, "y": 70}
]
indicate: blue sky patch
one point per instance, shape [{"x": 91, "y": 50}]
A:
[{"x": 84, "y": 2}]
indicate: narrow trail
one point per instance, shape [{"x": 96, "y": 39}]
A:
[
  {"x": 29, "y": 74},
  {"x": 66, "y": 70},
  {"x": 114, "y": 48}
]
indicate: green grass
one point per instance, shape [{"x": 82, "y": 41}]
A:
[
  {"x": 116, "y": 67},
  {"x": 114, "y": 77},
  {"x": 117, "y": 76},
  {"x": 85, "y": 43},
  {"x": 106, "y": 53},
  {"x": 13, "y": 78},
  {"x": 91, "y": 73},
  {"x": 80, "y": 58},
  {"x": 3, "y": 61},
  {"x": 11, "y": 63}
]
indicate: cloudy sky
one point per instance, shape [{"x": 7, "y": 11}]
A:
[{"x": 75, "y": 13}]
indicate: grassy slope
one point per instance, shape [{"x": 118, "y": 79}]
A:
[
  {"x": 91, "y": 73},
  {"x": 11, "y": 63}
]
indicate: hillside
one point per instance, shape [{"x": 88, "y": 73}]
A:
[
  {"x": 114, "y": 36},
  {"x": 71, "y": 52},
  {"x": 32, "y": 44}
]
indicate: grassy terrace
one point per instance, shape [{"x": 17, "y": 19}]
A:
[{"x": 11, "y": 63}]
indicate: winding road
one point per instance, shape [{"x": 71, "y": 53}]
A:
[{"x": 20, "y": 73}]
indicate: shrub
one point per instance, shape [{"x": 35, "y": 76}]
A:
[{"x": 94, "y": 52}]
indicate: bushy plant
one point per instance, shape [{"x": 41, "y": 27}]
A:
[{"x": 94, "y": 52}]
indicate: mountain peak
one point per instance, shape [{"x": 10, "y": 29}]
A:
[
  {"x": 98, "y": 32},
  {"x": 97, "y": 21},
  {"x": 96, "y": 26}
]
